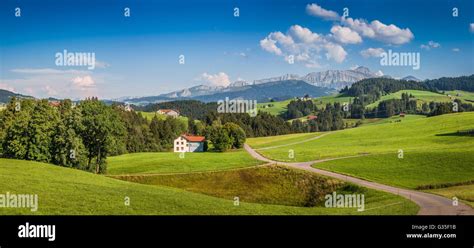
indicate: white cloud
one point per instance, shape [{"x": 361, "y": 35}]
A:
[
  {"x": 316, "y": 10},
  {"x": 5, "y": 86},
  {"x": 269, "y": 45},
  {"x": 377, "y": 30},
  {"x": 46, "y": 82},
  {"x": 305, "y": 45},
  {"x": 471, "y": 27},
  {"x": 431, "y": 44},
  {"x": 345, "y": 35},
  {"x": 456, "y": 49},
  {"x": 219, "y": 79},
  {"x": 83, "y": 82},
  {"x": 50, "y": 91},
  {"x": 303, "y": 34},
  {"x": 282, "y": 39},
  {"x": 335, "y": 52},
  {"x": 372, "y": 52}
]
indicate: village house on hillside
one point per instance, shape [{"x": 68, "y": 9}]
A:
[
  {"x": 54, "y": 103},
  {"x": 168, "y": 112},
  {"x": 189, "y": 143}
]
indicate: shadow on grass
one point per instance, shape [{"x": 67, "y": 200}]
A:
[{"x": 458, "y": 133}]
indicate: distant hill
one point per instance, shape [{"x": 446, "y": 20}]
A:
[
  {"x": 336, "y": 79},
  {"x": 387, "y": 85},
  {"x": 6, "y": 95},
  {"x": 322, "y": 82},
  {"x": 278, "y": 90},
  {"x": 411, "y": 78}
]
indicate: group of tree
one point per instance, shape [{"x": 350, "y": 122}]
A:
[
  {"x": 263, "y": 124},
  {"x": 370, "y": 90},
  {"x": 465, "y": 83},
  {"x": 391, "y": 107},
  {"x": 81, "y": 136},
  {"x": 225, "y": 136},
  {"x": 299, "y": 108}
]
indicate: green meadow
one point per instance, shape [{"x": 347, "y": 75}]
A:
[
  {"x": 414, "y": 170},
  {"x": 263, "y": 142},
  {"x": 420, "y": 95},
  {"x": 171, "y": 162},
  {"x": 464, "y": 193},
  {"x": 277, "y": 108},
  {"x": 149, "y": 116},
  {"x": 463, "y": 95},
  {"x": 68, "y": 191},
  {"x": 410, "y": 135},
  {"x": 274, "y": 108}
]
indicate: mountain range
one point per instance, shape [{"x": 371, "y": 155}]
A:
[{"x": 314, "y": 84}]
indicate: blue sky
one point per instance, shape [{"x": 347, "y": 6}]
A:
[{"x": 139, "y": 55}]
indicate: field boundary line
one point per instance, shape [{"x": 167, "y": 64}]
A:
[
  {"x": 192, "y": 172},
  {"x": 294, "y": 143}
]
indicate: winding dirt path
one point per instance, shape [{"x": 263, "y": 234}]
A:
[{"x": 429, "y": 204}]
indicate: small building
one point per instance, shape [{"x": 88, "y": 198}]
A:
[
  {"x": 402, "y": 114},
  {"x": 189, "y": 143},
  {"x": 128, "y": 108},
  {"x": 312, "y": 117},
  {"x": 168, "y": 112},
  {"x": 54, "y": 103}
]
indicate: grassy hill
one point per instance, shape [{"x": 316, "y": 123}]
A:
[
  {"x": 420, "y": 95},
  {"x": 434, "y": 154},
  {"x": 274, "y": 185},
  {"x": 149, "y": 116},
  {"x": 274, "y": 108},
  {"x": 268, "y": 141},
  {"x": 277, "y": 108},
  {"x": 415, "y": 170},
  {"x": 464, "y": 193},
  {"x": 419, "y": 134},
  {"x": 376, "y": 121},
  {"x": 463, "y": 95},
  {"x": 68, "y": 191},
  {"x": 322, "y": 101},
  {"x": 170, "y": 162}
]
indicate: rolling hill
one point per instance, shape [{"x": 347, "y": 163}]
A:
[
  {"x": 434, "y": 152},
  {"x": 6, "y": 95},
  {"x": 65, "y": 191}
]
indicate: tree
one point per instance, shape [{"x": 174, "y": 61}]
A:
[
  {"x": 67, "y": 148},
  {"x": 236, "y": 134},
  {"x": 15, "y": 120},
  {"x": 221, "y": 140},
  {"x": 40, "y": 131},
  {"x": 103, "y": 130}
]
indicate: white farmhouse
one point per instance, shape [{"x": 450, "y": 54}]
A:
[
  {"x": 168, "y": 112},
  {"x": 188, "y": 143}
]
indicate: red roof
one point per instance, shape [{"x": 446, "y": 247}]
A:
[
  {"x": 194, "y": 138},
  {"x": 54, "y": 103},
  {"x": 312, "y": 117}
]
